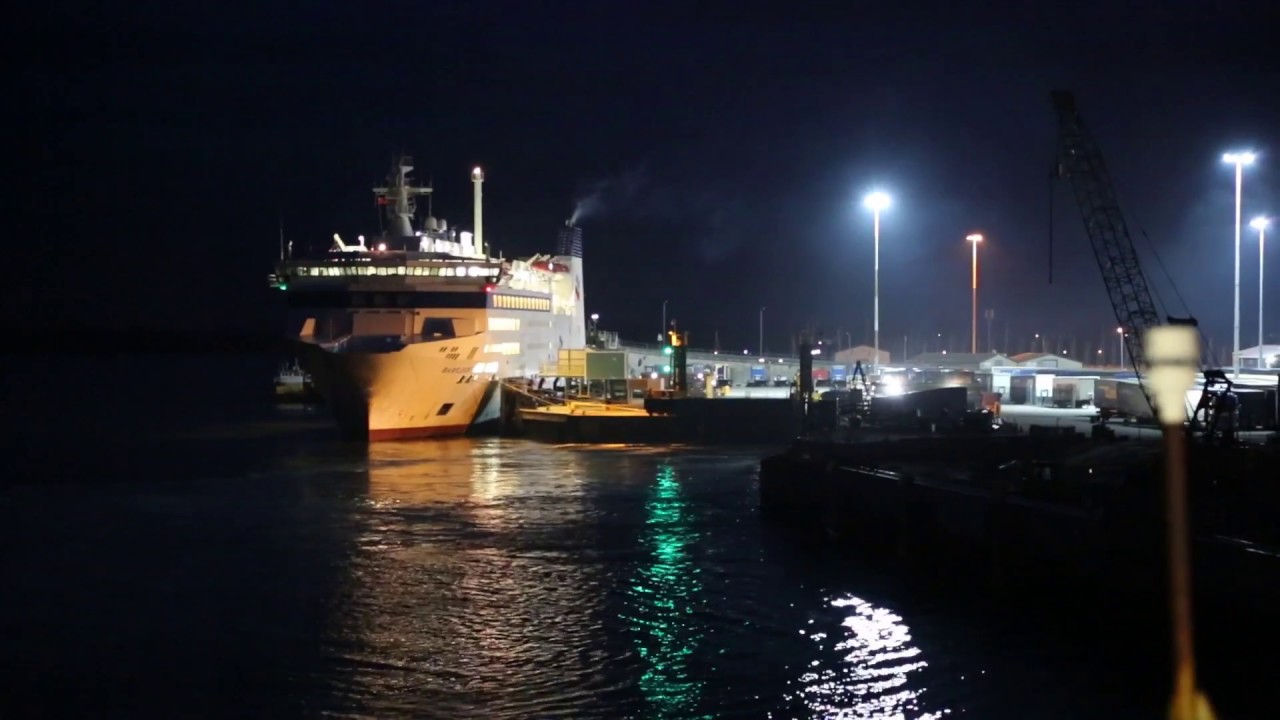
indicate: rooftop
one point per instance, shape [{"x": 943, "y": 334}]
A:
[{"x": 945, "y": 358}]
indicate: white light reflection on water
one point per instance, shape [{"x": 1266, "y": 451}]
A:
[{"x": 871, "y": 677}]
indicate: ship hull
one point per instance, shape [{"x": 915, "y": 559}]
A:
[{"x": 422, "y": 390}]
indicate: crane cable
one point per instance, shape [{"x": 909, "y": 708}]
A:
[{"x": 1186, "y": 309}]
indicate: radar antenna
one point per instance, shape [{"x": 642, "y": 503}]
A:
[{"x": 399, "y": 197}]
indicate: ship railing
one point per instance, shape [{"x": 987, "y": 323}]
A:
[
  {"x": 526, "y": 393},
  {"x": 335, "y": 344}
]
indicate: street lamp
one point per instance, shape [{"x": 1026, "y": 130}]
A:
[
  {"x": 662, "y": 336},
  {"x": 974, "y": 238},
  {"x": 876, "y": 202},
  {"x": 1120, "y": 332},
  {"x": 1239, "y": 159},
  {"x": 760, "y": 347},
  {"x": 1260, "y": 224}
]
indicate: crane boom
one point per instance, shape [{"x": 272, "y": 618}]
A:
[{"x": 1080, "y": 161}]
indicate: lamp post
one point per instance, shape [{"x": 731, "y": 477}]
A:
[
  {"x": 974, "y": 238},
  {"x": 1260, "y": 224},
  {"x": 1239, "y": 159},
  {"x": 760, "y": 347},
  {"x": 662, "y": 335},
  {"x": 876, "y": 202},
  {"x": 1120, "y": 333}
]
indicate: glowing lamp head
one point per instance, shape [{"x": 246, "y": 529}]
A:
[
  {"x": 477, "y": 174},
  {"x": 1239, "y": 158},
  {"x": 595, "y": 316},
  {"x": 1260, "y": 223},
  {"x": 974, "y": 238},
  {"x": 876, "y": 201},
  {"x": 1119, "y": 331}
]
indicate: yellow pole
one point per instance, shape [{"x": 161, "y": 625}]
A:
[
  {"x": 1173, "y": 357},
  {"x": 1188, "y": 703}
]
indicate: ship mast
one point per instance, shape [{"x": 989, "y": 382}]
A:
[{"x": 399, "y": 197}]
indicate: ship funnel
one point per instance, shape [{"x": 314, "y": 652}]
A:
[{"x": 477, "y": 180}]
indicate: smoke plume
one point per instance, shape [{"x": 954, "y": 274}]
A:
[{"x": 608, "y": 195}]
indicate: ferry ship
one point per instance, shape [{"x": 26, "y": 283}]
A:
[{"x": 410, "y": 334}]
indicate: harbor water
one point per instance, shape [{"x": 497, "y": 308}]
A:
[{"x": 173, "y": 547}]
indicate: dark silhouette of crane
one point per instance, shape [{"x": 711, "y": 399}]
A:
[{"x": 1080, "y": 162}]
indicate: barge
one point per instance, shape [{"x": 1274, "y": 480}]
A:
[{"x": 1048, "y": 510}]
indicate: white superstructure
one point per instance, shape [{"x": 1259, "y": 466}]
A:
[{"x": 404, "y": 336}]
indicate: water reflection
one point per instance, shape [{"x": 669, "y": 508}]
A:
[
  {"x": 664, "y": 596},
  {"x": 421, "y": 473},
  {"x": 465, "y": 591},
  {"x": 871, "y": 674}
]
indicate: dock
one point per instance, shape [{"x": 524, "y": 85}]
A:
[{"x": 1052, "y": 509}]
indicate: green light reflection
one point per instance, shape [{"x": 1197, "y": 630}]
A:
[{"x": 664, "y": 596}]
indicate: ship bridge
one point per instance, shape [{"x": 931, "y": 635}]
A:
[{"x": 350, "y": 266}]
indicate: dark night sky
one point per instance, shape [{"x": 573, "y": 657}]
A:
[{"x": 732, "y": 148}]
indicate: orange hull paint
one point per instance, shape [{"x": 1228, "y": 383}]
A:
[{"x": 406, "y": 433}]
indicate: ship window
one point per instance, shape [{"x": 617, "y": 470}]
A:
[
  {"x": 473, "y": 352},
  {"x": 438, "y": 327},
  {"x": 444, "y": 409}
]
